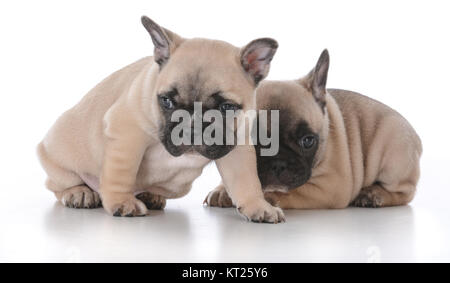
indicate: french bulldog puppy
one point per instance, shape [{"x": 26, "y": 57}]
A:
[
  {"x": 337, "y": 148},
  {"x": 116, "y": 144}
]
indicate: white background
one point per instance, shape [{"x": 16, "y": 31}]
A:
[{"x": 53, "y": 52}]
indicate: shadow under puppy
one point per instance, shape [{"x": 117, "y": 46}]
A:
[
  {"x": 116, "y": 142},
  {"x": 337, "y": 148}
]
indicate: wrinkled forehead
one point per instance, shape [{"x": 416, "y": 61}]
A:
[
  {"x": 206, "y": 67},
  {"x": 294, "y": 102}
]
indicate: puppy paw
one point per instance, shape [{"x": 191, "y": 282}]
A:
[
  {"x": 80, "y": 197},
  {"x": 262, "y": 212},
  {"x": 151, "y": 201},
  {"x": 368, "y": 198},
  {"x": 123, "y": 205},
  {"x": 218, "y": 198}
]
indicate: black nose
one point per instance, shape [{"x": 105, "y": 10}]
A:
[{"x": 279, "y": 166}]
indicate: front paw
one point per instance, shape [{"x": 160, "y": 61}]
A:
[
  {"x": 123, "y": 205},
  {"x": 218, "y": 198},
  {"x": 262, "y": 212}
]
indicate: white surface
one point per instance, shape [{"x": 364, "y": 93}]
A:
[
  {"x": 53, "y": 52},
  {"x": 36, "y": 228}
]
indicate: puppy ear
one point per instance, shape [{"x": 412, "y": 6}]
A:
[
  {"x": 256, "y": 57},
  {"x": 316, "y": 80},
  {"x": 164, "y": 40}
]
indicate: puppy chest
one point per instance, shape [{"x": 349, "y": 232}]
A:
[{"x": 159, "y": 168}]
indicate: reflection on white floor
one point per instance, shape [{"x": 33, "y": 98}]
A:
[{"x": 36, "y": 228}]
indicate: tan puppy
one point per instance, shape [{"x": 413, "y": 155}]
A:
[
  {"x": 116, "y": 142},
  {"x": 337, "y": 148}
]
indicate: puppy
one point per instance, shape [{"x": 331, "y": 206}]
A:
[
  {"x": 116, "y": 142},
  {"x": 337, "y": 148}
]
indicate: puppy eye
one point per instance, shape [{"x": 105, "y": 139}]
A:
[
  {"x": 226, "y": 106},
  {"x": 308, "y": 142},
  {"x": 166, "y": 102}
]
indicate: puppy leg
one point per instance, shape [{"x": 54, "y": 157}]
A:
[
  {"x": 218, "y": 197},
  {"x": 244, "y": 187},
  {"x": 377, "y": 196},
  {"x": 396, "y": 182},
  {"x": 151, "y": 201},
  {"x": 121, "y": 163},
  {"x": 66, "y": 185},
  {"x": 312, "y": 196}
]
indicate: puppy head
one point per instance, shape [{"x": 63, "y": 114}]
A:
[
  {"x": 303, "y": 127},
  {"x": 214, "y": 73}
]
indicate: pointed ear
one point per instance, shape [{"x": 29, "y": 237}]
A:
[
  {"x": 316, "y": 80},
  {"x": 256, "y": 57},
  {"x": 164, "y": 40}
]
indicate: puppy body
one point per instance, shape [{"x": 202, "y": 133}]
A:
[
  {"x": 370, "y": 157},
  {"x": 116, "y": 143},
  {"x": 365, "y": 154},
  {"x": 77, "y": 139}
]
